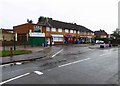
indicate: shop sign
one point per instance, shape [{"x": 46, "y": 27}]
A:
[
  {"x": 35, "y": 34},
  {"x": 56, "y": 35}
]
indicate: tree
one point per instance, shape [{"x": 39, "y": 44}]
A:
[
  {"x": 41, "y": 19},
  {"x": 116, "y": 34},
  {"x": 29, "y": 21},
  {"x": 116, "y": 37},
  {"x": 106, "y": 40}
]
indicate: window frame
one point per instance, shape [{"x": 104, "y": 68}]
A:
[
  {"x": 47, "y": 28},
  {"x": 66, "y": 31},
  {"x": 53, "y": 30},
  {"x": 74, "y": 31},
  {"x": 71, "y": 31},
  {"x": 38, "y": 27},
  {"x": 59, "y": 29}
]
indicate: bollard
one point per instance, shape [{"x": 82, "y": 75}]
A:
[
  {"x": 14, "y": 44},
  {"x": 11, "y": 54},
  {"x": 3, "y": 43}
]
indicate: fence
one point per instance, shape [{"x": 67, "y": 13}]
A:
[
  {"x": 22, "y": 40},
  {"x": 11, "y": 41}
]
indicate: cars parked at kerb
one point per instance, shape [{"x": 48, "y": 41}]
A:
[
  {"x": 104, "y": 45},
  {"x": 99, "y": 42}
]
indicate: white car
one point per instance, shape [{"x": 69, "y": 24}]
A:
[{"x": 99, "y": 42}]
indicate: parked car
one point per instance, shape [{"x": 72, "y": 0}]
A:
[
  {"x": 99, "y": 42},
  {"x": 104, "y": 45}
]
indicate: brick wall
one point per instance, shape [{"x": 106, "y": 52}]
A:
[{"x": 24, "y": 28}]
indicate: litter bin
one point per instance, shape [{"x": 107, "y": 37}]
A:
[{"x": 78, "y": 42}]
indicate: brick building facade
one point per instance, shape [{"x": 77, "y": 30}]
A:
[
  {"x": 55, "y": 32},
  {"x": 101, "y": 34}
]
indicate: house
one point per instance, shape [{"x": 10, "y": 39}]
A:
[
  {"x": 59, "y": 30},
  {"x": 53, "y": 31},
  {"x": 6, "y": 34},
  {"x": 7, "y": 37},
  {"x": 117, "y": 31},
  {"x": 30, "y": 33},
  {"x": 101, "y": 34}
]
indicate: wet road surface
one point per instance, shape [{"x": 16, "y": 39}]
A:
[{"x": 67, "y": 65}]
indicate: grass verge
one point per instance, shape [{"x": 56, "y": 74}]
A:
[{"x": 15, "y": 52}]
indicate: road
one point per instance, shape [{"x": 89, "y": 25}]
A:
[{"x": 67, "y": 65}]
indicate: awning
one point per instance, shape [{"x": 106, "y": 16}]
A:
[{"x": 69, "y": 35}]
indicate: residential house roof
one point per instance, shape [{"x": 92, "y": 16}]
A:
[
  {"x": 6, "y": 31},
  {"x": 99, "y": 32},
  {"x": 59, "y": 24}
]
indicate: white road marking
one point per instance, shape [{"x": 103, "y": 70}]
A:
[
  {"x": 14, "y": 78},
  {"x": 38, "y": 72},
  {"x": 6, "y": 64},
  {"x": 18, "y": 63},
  {"x": 74, "y": 62},
  {"x": 57, "y": 53},
  {"x": 49, "y": 69},
  {"x": 103, "y": 54}
]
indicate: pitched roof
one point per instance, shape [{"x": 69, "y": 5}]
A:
[
  {"x": 6, "y": 31},
  {"x": 59, "y": 24},
  {"x": 98, "y": 33}
]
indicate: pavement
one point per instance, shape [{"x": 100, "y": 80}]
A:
[
  {"x": 24, "y": 57},
  {"x": 37, "y": 53}
]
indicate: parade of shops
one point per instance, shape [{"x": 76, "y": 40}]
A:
[{"x": 53, "y": 32}]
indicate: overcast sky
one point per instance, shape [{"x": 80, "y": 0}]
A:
[{"x": 93, "y": 14}]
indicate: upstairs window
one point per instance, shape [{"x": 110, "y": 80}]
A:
[
  {"x": 103, "y": 36},
  {"x": 59, "y": 29},
  {"x": 81, "y": 32},
  {"x": 74, "y": 31},
  {"x": 66, "y": 30},
  {"x": 47, "y": 28},
  {"x": 37, "y": 29},
  {"x": 84, "y": 33},
  {"x": 71, "y": 31},
  {"x": 53, "y": 29},
  {"x": 88, "y": 33},
  {"x": 91, "y": 33}
]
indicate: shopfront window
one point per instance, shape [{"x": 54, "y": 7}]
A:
[
  {"x": 60, "y": 39},
  {"x": 57, "y": 38}
]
